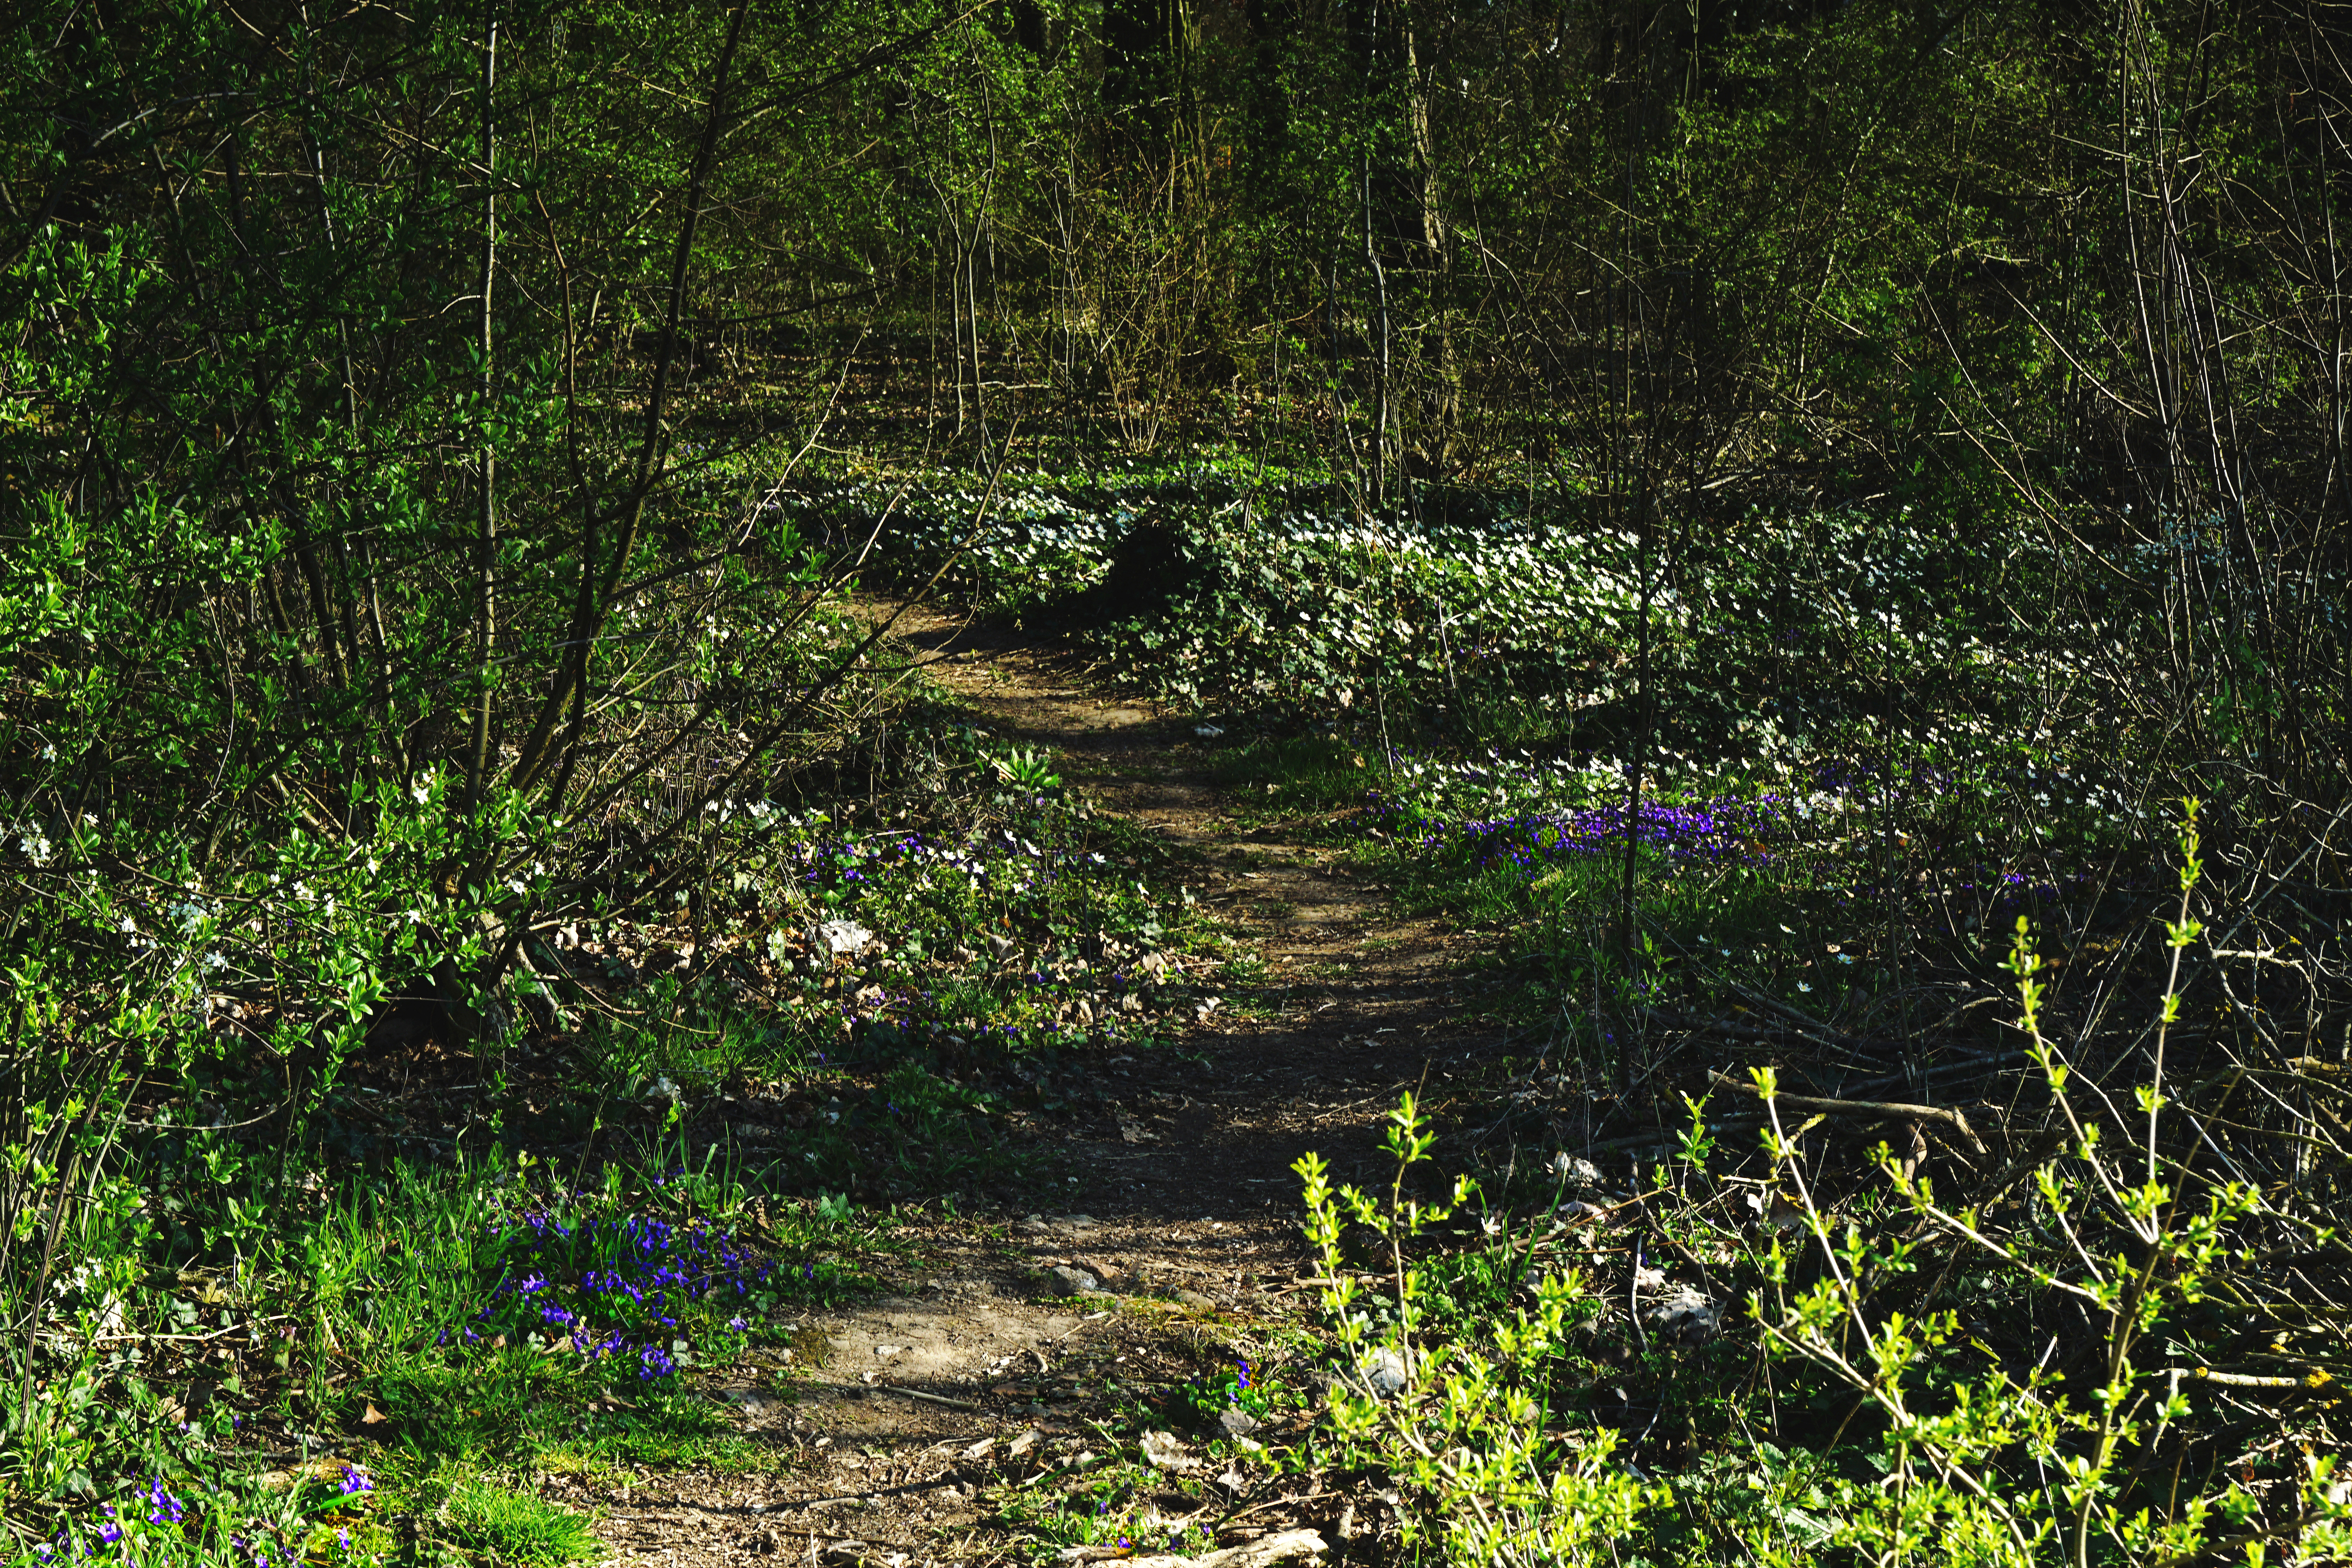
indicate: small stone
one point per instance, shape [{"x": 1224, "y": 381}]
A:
[
  {"x": 1383, "y": 1371},
  {"x": 1575, "y": 1174},
  {"x": 1687, "y": 1317},
  {"x": 1064, "y": 1280}
]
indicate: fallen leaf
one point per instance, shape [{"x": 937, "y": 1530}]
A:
[{"x": 1165, "y": 1451}]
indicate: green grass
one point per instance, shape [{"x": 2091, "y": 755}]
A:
[
  {"x": 338, "y": 1291},
  {"x": 495, "y": 1524},
  {"x": 393, "y": 1353},
  {"x": 1277, "y": 778}
]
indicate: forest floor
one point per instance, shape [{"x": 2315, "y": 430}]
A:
[{"x": 910, "y": 1409}]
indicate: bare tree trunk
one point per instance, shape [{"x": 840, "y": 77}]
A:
[
  {"x": 1441, "y": 407},
  {"x": 1380, "y": 367},
  {"x": 601, "y": 581},
  {"x": 486, "y": 541}
]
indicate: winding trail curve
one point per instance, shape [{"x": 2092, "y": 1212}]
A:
[{"x": 1181, "y": 1199}]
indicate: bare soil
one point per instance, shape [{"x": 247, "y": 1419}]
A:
[{"x": 1178, "y": 1199}]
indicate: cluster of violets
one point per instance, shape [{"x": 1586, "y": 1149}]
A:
[
  {"x": 1750, "y": 831},
  {"x": 1234, "y": 1387},
  {"x": 614, "y": 1287},
  {"x": 108, "y": 1539},
  {"x": 1736, "y": 830}
]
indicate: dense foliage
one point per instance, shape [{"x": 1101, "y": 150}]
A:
[{"x": 1740, "y": 501}]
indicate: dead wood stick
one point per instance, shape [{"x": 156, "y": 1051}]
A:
[
  {"x": 933, "y": 1399},
  {"x": 1879, "y": 1110},
  {"x": 2312, "y": 1379}
]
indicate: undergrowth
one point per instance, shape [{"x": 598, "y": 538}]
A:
[
  {"x": 1751, "y": 920},
  {"x": 311, "y": 1255},
  {"x": 348, "y": 1188}
]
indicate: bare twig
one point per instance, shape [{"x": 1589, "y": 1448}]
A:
[
  {"x": 928, "y": 1399},
  {"x": 1878, "y": 1110}
]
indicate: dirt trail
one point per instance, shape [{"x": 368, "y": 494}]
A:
[{"x": 1180, "y": 1202}]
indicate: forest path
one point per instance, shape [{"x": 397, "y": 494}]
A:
[{"x": 1181, "y": 1201}]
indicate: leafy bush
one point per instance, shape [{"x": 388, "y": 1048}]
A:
[
  {"x": 1977, "y": 1448},
  {"x": 1459, "y": 1423}
]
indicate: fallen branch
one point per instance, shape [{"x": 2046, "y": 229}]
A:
[
  {"x": 1876, "y": 1109},
  {"x": 2312, "y": 1379},
  {"x": 919, "y": 1394}
]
